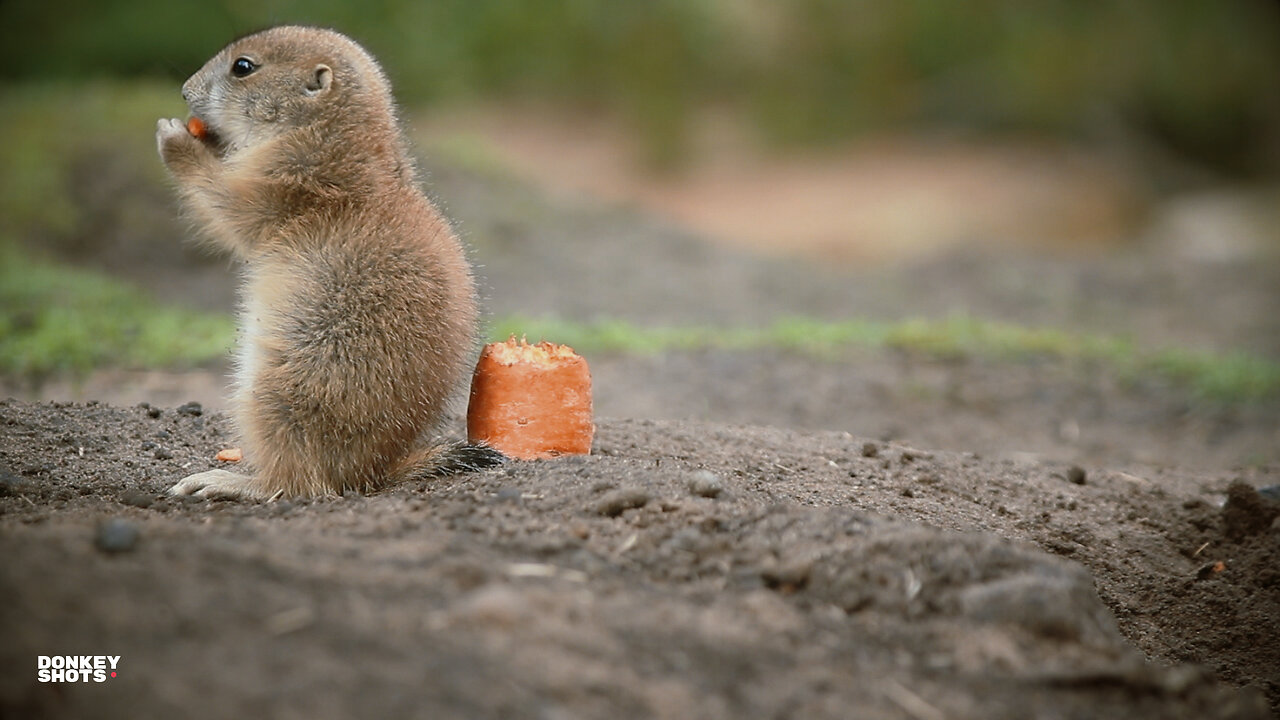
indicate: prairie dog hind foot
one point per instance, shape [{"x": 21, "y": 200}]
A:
[
  {"x": 431, "y": 462},
  {"x": 220, "y": 485}
]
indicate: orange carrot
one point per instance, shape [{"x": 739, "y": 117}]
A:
[{"x": 531, "y": 401}]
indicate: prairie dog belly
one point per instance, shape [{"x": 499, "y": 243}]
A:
[{"x": 349, "y": 341}]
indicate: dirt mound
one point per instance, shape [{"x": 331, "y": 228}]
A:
[{"x": 682, "y": 570}]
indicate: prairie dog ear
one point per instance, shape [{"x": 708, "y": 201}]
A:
[{"x": 320, "y": 81}]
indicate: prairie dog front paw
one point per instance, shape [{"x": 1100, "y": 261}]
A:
[{"x": 176, "y": 145}]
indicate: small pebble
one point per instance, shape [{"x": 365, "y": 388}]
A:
[
  {"x": 1210, "y": 569},
  {"x": 1246, "y": 512},
  {"x": 870, "y": 450},
  {"x": 788, "y": 576},
  {"x": 510, "y": 495},
  {"x": 615, "y": 503},
  {"x": 137, "y": 498},
  {"x": 116, "y": 536},
  {"x": 1076, "y": 475},
  {"x": 705, "y": 483},
  {"x": 163, "y": 454},
  {"x": 193, "y": 409},
  {"x": 494, "y": 605},
  {"x": 11, "y": 484}
]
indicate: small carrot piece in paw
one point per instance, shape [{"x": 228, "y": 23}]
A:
[{"x": 196, "y": 127}]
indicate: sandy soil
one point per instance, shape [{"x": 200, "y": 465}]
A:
[{"x": 755, "y": 534}]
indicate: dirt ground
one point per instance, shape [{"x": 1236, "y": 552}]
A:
[
  {"x": 682, "y": 570},
  {"x": 756, "y": 534}
]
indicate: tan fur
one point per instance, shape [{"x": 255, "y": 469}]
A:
[{"x": 358, "y": 313}]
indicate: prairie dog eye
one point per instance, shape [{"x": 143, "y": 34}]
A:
[{"x": 242, "y": 67}]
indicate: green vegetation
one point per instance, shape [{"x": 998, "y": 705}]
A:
[
  {"x": 55, "y": 319},
  {"x": 1227, "y": 378},
  {"x": 58, "y": 320},
  {"x": 56, "y": 130},
  {"x": 1197, "y": 76}
]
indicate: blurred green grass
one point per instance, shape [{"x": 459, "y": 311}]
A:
[
  {"x": 56, "y": 320},
  {"x": 54, "y": 128},
  {"x": 1214, "y": 377},
  {"x": 81, "y": 168},
  {"x": 1196, "y": 76},
  {"x": 59, "y": 320}
]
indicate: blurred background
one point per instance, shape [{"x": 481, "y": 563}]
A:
[{"x": 962, "y": 219}]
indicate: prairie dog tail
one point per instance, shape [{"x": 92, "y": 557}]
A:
[{"x": 445, "y": 459}]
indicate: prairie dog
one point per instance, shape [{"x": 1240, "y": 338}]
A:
[{"x": 358, "y": 311}]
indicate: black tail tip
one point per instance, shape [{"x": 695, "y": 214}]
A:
[{"x": 469, "y": 457}]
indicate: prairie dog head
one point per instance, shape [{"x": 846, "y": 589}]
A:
[{"x": 285, "y": 78}]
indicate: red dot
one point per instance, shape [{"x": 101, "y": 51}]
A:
[{"x": 113, "y": 674}]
